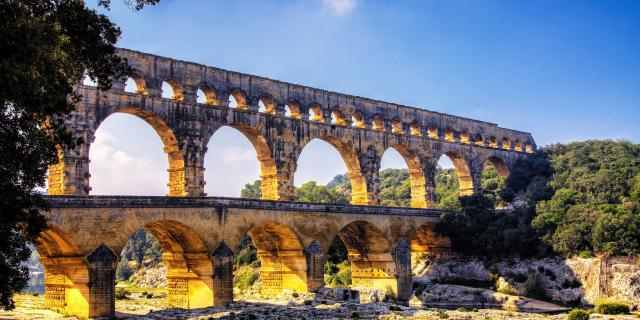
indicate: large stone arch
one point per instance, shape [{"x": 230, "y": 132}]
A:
[
  {"x": 359, "y": 192},
  {"x": 463, "y": 171},
  {"x": 177, "y": 183},
  {"x": 370, "y": 254},
  {"x": 282, "y": 261},
  {"x": 416, "y": 175},
  {"x": 66, "y": 274},
  {"x": 502, "y": 168},
  {"x": 189, "y": 268},
  {"x": 268, "y": 168}
]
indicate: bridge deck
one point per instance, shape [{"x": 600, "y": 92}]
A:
[{"x": 224, "y": 202}]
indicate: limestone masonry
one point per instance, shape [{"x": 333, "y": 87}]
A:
[{"x": 198, "y": 233}]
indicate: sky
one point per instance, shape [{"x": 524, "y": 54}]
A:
[{"x": 562, "y": 70}]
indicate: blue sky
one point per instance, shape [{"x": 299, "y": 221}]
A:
[{"x": 562, "y": 70}]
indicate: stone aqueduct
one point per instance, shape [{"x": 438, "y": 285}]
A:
[{"x": 196, "y": 233}]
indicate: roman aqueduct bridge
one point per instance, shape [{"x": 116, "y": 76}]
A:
[{"x": 197, "y": 233}]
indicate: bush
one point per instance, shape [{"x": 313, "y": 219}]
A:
[
  {"x": 578, "y": 314},
  {"x": 534, "y": 288},
  {"x": 461, "y": 309},
  {"x": 122, "y": 294},
  {"x": 611, "y": 306},
  {"x": 246, "y": 279}
]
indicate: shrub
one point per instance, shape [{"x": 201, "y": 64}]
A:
[
  {"x": 611, "y": 306},
  {"x": 578, "y": 314},
  {"x": 474, "y": 310},
  {"x": 122, "y": 293},
  {"x": 534, "y": 288},
  {"x": 246, "y": 279},
  {"x": 461, "y": 309},
  {"x": 443, "y": 315},
  {"x": 505, "y": 287}
]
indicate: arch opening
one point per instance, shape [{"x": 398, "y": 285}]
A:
[
  {"x": 171, "y": 89},
  {"x": 125, "y": 163},
  {"x": 506, "y": 144},
  {"x": 176, "y": 253},
  {"x": 354, "y": 181},
  {"x": 229, "y": 158},
  {"x": 206, "y": 95},
  {"x": 397, "y": 126},
  {"x": 416, "y": 130},
  {"x": 237, "y": 100},
  {"x": 492, "y": 142},
  {"x": 292, "y": 110},
  {"x": 88, "y": 81},
  {"x": 357, "y": 120},
  {"x": 378, "y": 123},
  {"x": 494, "y": 176},
  {"x": 478, "y": 140},
  {"x": 283, "y": 265},
  {"x": 402, "y": 179},
  {"x": 337, "y": 117},
  {"x": 464, "y": 137},
  {"x": 528, "y": 147},
  {"x": 337, "y": 269},
  {"x": 462, "y": 173},
  {"x": 266, "y": 104},
  {"x": 432, "y": 131},
  {"x": 449, "y": 135},
  {"x": 517, "y": 146},
  {"x": 315, "y": 113},
  {"x": 135, "y": 84},
  {"x": 369, "y": 253},
  {"x": 424, "y": 245}
]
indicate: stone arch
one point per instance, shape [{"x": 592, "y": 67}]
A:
[
  {"x": 357, "y": 120},
  {"x": 501, "y": 166},
  {"x": 189, "y": 268},
  {"x": 464, "y": 137},
  {"x": 140, "y": 83},
  {"x": 378, "y": 123},
  {"x": 282, "y": 261},
  {"x": 66, "y": 278},
  {"x": 240, "y": 97},
  {"x": 338, "y": 117},
  {"x": 372, "y": 263},
  {"x": 294, "y": 109},
  {"x": 506, "y": 143},
  {"x": 427, "y": 240},
  {"x": 268, "y": 169},
  {"x": 492, "y": 142},
  {"x": 316, "y": 113},
  {"x": 268, "y": 102},
  {"x": 416, "y": 175},
  {"x": 432, "y": 131},
  {"x": 209, "y": 94},
  {"x": 528, "y": 147},
  {"x": 449, "y": 134},
  {"x": 177, "y": 185},
  {"x": 178, "y": 93},
  {"x": 397, "y": 126},
  {"x": 479, "y": 140},
  {"x": 463, "y": 172},
  {"x": 415, "y": 129},
  {"x": 517, "y": 146},
  {"x": 359, "y": 194}
]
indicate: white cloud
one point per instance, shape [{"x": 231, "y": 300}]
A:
[{"x": 339, "y": 7}]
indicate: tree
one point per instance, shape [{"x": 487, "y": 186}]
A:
[
  {"x": 45, "y": 49},
  {"x": 252, "y": 190}
]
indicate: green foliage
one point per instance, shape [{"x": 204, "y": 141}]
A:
[
  {"x": 578, "y": 314},
  {"x": 252, "y": 190},
  {"x": 338, "y": 275},
  {"x": 123, "y": 271},
  {"x": 611, "y": 306},
  {"x": 122, "y": 294},
  {"x": 534, "y": 288},
  {"x": 246, "y": 278},
  {"x": 595, "y": 206},
  {"x": 247, "y": 254},
  {"x": 312, "y": 192},
  {"x": 46, "y": 47},
  {"x": 143, "y": 248}
]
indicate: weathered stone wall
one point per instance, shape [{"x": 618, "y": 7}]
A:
[{"x": 362, "y": 130}]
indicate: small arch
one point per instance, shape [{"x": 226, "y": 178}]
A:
[
  {"x": 55, "y": 242},
  {"x": 397, "y": 126},
  {"x": 378, "y": 123},
  {"x": 464, "y": 137},
  {"x": 292, "y": 110},
  {"x": 517, "y": 146},
  {"x": 479, "y": 141},
  {"x": 136, "y": 84},
  {"x": 362, "y": 238},
  {"x": 206, "y": 95},
  {"x": 88, "y": 81},
  {"x": 315, "y": 113},
  {"x": 426, "y": 240},
  {"x": 432, "y": 131},
  {"x": 238, "y": 100},
  {"x": 528, "y": 147},
  {"x": 171, "y": 89},
  {"x": 337, "y": 117},
  {"x": 415, "y": 129},
  {"x": 357, "y": 120},
  {"x": 416, "y": 175},
  {"x": 492, "y": 142},
  {"x": 506, "y": 144},
  {"x": 449, "y": 135},
  {"x": 266, "y": 104}
]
